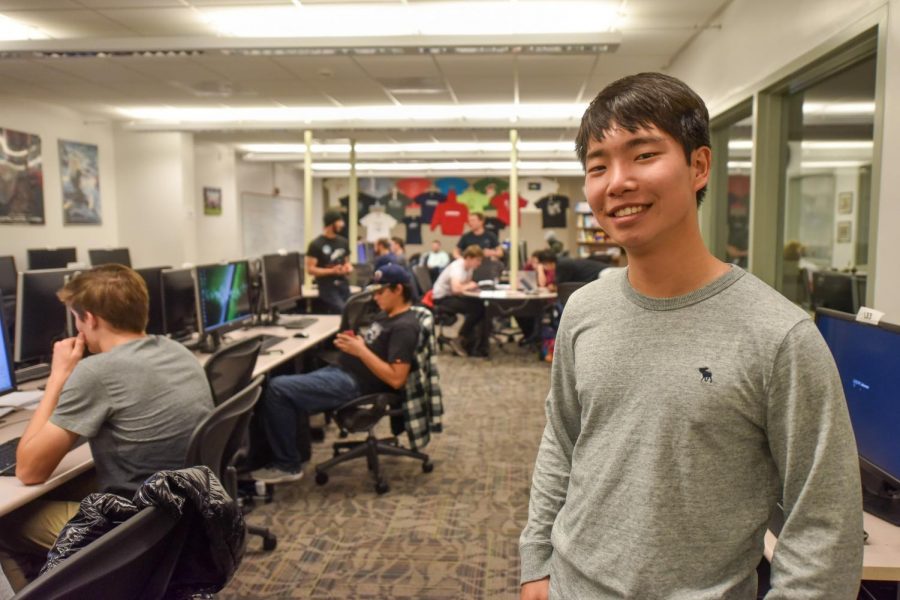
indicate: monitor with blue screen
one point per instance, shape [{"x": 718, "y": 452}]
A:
[
  {"x": 7, "y": 380},
  {"x": 223, "y": 295},
  {"x": 868, "y": 360}
]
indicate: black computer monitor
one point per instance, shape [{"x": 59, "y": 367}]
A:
[
  {"x": 281, "y": 280},
  {"x": 868, "y": 357},
  {"x": 41, "y": 319},
  {"x": 179, "y": 303},
  {"x": 152, "y": 276},
  {"x": 833, "y": 290},
  {"x": 7, "y": 370},
  {"x": 106, "y": 256},
  {"x": 51, "y": 258},
  {"x": 223, "y": 298},
  {"x": 9, "y": 278}
]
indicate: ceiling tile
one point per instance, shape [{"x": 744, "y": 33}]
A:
[
  {"x": 550, "y": 66},
  {"x": 160, "y": 21},
  {"x": 563, "y": 89},
  {"x": 390, "y": 67},
  {"x": 479, "y": 66},
  {"x": 245, "y": 68},
  {"x": 322, "y": 67},
  {"x": 353, "y": 93},
  {"x": 71, "y": 23}
]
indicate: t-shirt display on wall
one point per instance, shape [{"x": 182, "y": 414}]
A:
[
  {"x": 474, "y": 200},
  {"x": 413, "y": 229},
  {"x": 394, "y": 204},
  {"x": 364, "y": 203},
  {"x": 501, "y": 203},
  {"x": 429, "y": 202},
  {"x": 378, "y": 225},
  {"x": 491, "y": 186},
  {"x": 270, "y": 223},
  {"x": 494, "y": 224},
  {"x": 553, "y": 210},
  {"x": 451, "y": 216},
  {"x": 448, "y": 184},
  {"x": 535, "y": 188},
  {"x": 412, "y": 186}
]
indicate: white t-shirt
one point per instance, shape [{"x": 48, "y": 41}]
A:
[
  {"x": 455, "y": 270},
  {"x": 378, "y": 225},
  {"x": 437, "y": 260}
]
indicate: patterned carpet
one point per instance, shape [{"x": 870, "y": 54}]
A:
[{"x": 449, "y": 534}]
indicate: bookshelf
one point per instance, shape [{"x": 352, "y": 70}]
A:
[{"x": 590, "y": 237}]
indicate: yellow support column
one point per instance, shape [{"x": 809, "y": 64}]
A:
[
  {"x": 514, "y": 209},
  {"x": 353, "y": 211}
]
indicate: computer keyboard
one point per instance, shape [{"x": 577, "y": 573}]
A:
[
  {"x": 26, "y": 374},
  {"x": 269, "y": 341},
  {"x": 8, "y": 456},
  {"x": 301, "y": 323}
]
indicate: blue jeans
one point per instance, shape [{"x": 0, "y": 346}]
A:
[
  {"x": 287, "y": 403},
  {"x": 333, "y": 296}
]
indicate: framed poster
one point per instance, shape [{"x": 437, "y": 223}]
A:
[
  {"x": 844, "y": 232},
  {"x": 21, "y": 178},
  {"x": 212, "y": 201},
  {"x": 845, "y": 203},
  {"x": 79, "y": 174}
]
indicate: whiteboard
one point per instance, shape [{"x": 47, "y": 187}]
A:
[{"x": 270, "y": 223}]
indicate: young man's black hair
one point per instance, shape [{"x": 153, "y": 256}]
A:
[{"x": 644, "y": 100}]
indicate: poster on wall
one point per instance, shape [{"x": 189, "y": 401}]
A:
[
  {"x": 21, "y": 178},
  {"x": 212, "y": 201},
  {"x": 79, "y": 174}
]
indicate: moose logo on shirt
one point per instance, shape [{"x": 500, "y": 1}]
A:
[{"x": 706, "y": 375}]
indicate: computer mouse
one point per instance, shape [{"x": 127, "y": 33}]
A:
[{"x": 301, "y": 334}]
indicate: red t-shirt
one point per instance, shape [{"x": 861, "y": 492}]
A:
[{"x": 501, "y": 203}]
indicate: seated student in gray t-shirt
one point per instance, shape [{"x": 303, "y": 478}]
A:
[{"x": 137, "y": 399}]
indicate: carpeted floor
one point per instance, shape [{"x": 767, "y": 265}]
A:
[{"x": 449, "y": 534}]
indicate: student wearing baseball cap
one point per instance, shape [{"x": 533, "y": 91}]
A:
[{"x": 377, "y": 361}]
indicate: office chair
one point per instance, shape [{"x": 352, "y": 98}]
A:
[
  {"x": 564, "y": 290},
  {"x": 218, "y": 442},
  {"x": 362, "y": 274},
  {"x": 134, "y": 560},
  {"x": 423, "y": 278},
  {"x": 362, "y": 415},
  {"x": 230, "y": 369}
]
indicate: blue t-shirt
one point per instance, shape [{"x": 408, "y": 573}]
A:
[
  {"x": 429, "y": 202},
  {"x": 413, "y": 230}
]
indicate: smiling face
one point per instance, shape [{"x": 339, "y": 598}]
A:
[{"x": 642, "y": 190}]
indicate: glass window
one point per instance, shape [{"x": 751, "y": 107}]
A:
[
  {"x": 730, "y": 235},
  {"x": 826, "y": 201}
]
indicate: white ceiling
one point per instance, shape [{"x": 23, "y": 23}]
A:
[{"x": 652, "y": 33}]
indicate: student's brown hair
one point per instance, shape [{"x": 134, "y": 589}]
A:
[
  {"x": 115, "y": 293},
  {"x": 473, "y": 251}
]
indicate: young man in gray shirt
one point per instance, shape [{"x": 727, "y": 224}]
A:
[
  {"x": 687, "y": 397},
  {"x": 137, "y": 399}
]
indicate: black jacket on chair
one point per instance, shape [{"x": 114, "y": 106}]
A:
[{"x": 214, "y": 543}]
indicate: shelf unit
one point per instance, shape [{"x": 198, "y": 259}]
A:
[{"x": 590, "y": 236}]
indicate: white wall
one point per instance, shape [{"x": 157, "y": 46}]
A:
[
  {"x": 53, "y": 123},
  {"x": 218, "y": 236},
  {"x": 157, "y": 211},
  {"x": 760, "y": 37}
]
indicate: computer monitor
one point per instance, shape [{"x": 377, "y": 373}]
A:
[
  {"x": 223, "y": 297},
  {"x": 833, "y": 290},
  {"x": 867, "y": 359},
  {"x": 105, "y": 256},
  {"x": 41, "y": 319},
  {"x": 51, "y": 258},
  {"x": 8, "y": 277},
  {"x": 7, "y": 370},
  {"x": 152, "y": 276},
  {"x": 179, "y": 303},
  {"x": 282, "y": 280}
]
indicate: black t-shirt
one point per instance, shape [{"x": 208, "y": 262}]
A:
[
  {"x": 364, "y": 203},
  {"x": 553, "y": 210},
  {"x": 329, "y": 252},
  {"x": 485, "y": 240},
  {"x": 494, "y": 225},
  {"x": 429, "y": 202},
  {"x": 392, "y": 339},
  {"x": 413, "y": 229},
  {"x": 578, "y": 269}
]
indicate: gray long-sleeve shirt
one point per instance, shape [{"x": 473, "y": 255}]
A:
[{"x": 673, "y": 427}]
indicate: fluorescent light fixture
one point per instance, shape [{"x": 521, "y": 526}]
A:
[
  {"x": 406, "y": 113},
  {"x": 573, "y": 166},
  {"x": 838, "y": 108},
  {"x": 740, "y": 164},
  {"x": 812, "y": 145},
  {"x": 11, "y": 30},
  {"x": 808, "y": 164},
  {"x": 410, "y": 148},
  {"x": 368, "y": 20}
]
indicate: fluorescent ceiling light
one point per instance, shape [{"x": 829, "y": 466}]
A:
[
  {"x": 489, "y": 18},
  {"x": 812, "y": 145},
  {"x": 410, "y": 148},
  {"x": 361, "y": 114},
  {"x": 838, "y": 108},
  {"x": 573, "y": 166},
  {"x": 11, "y": 30}
]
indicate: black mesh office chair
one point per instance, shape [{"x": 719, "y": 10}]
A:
[
  {"x": 564, "y": 290},
  {"x": 423, "y": 278},
  {"x": 362, "y": 274},
  {"x": 230, "y": 369},
  {"x": 134, "y": 560},
  {"x": 219, "y": 442}
]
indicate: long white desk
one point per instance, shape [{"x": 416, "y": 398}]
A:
[
  {"x": 881, "y": 554},
  {"x": 13, "y": 493}
]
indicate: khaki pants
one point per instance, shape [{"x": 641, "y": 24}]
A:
[{"x": 28, "y": 533}]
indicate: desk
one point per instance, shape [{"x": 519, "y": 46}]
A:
[
  {"x": 13, "y": 493},
  {"x": 881, "y": 554},
  {"x": 506, "y": 303}
]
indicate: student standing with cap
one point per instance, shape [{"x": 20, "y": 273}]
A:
[
  {"x": 377, "y": 361},
  {"x": 327, "y": 259}
]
